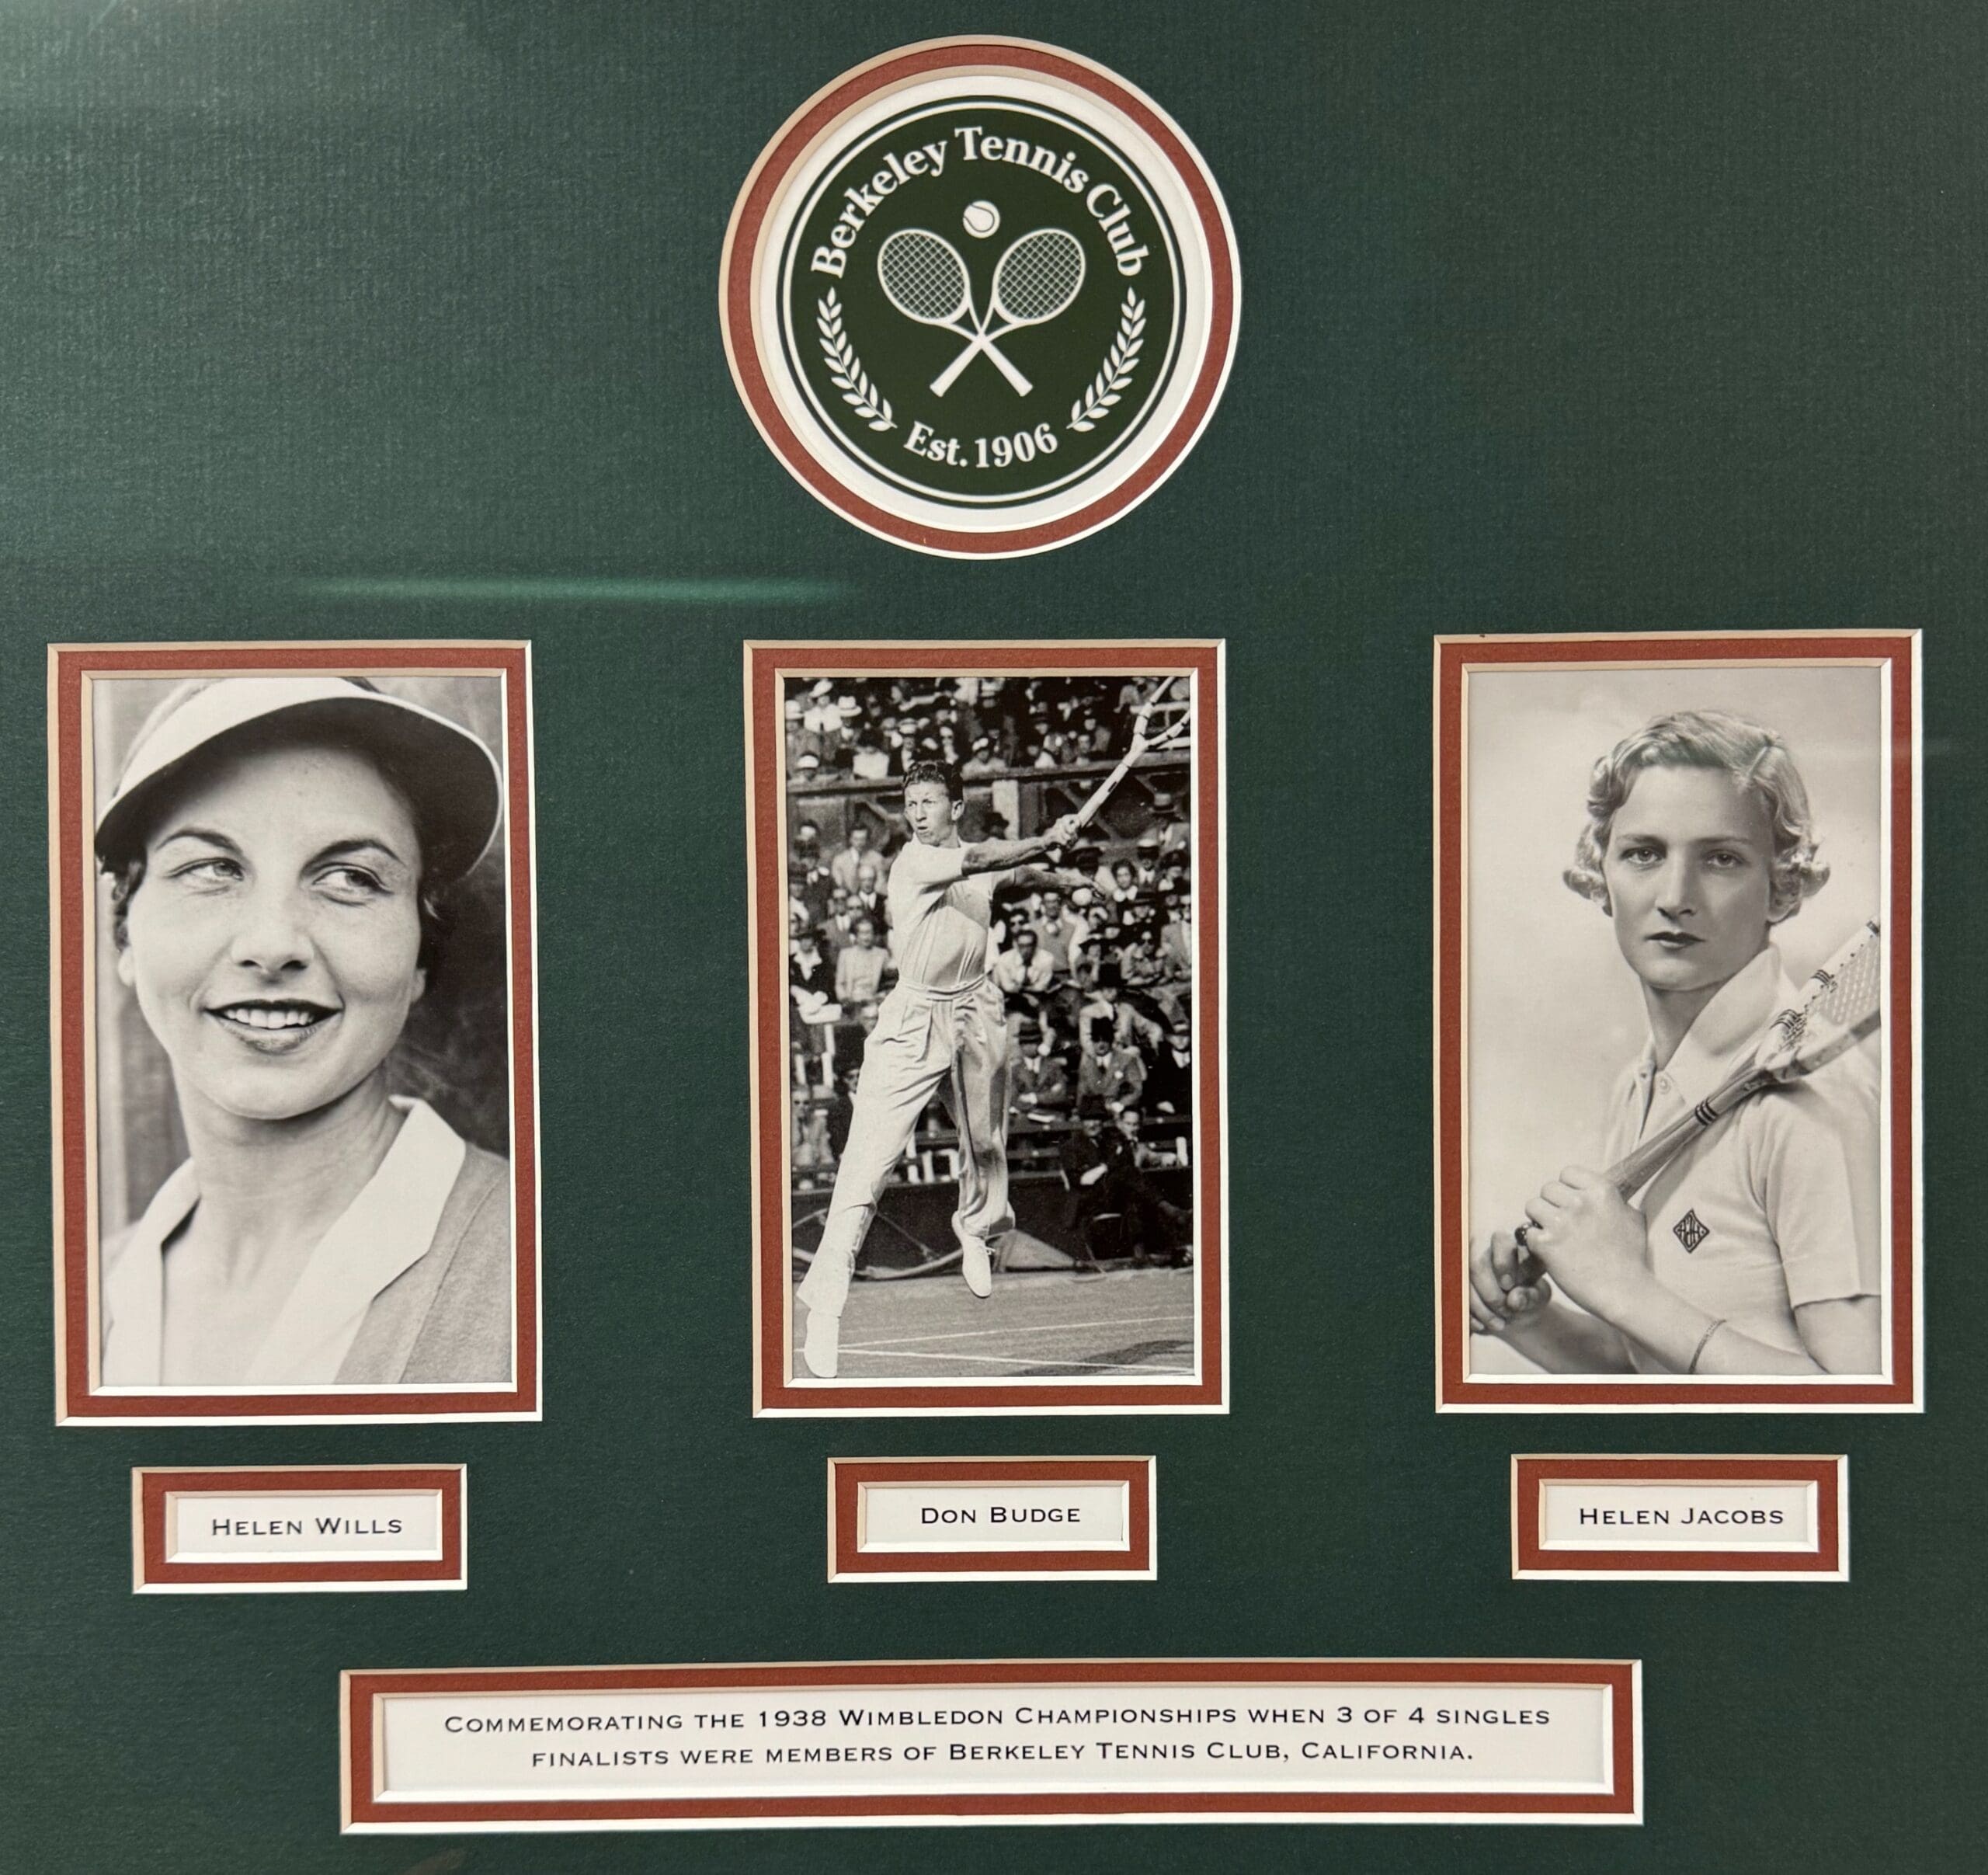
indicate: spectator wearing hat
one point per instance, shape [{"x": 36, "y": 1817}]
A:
[
  {"x": 1040, "y": 1077},
  {"x": 808, "y": 876},
  {"x": 1170, "y": 1086},
  {"x": 1168, "y": 827},
  {"x": 981, "y": 763},
  {"x": 283, "y": 853},
  {"x": 811, "y": 983},
  {"x": 1085, "y": 1160},
  {"x": 1139, "y": 964},
  {"x": 1111, "y": 1071}
]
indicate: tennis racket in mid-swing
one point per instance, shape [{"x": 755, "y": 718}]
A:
[
  {"x": 923, "y": 276},
  {"x": 1164, "y": 720},
  {"x": 1839, "y": 1006}
]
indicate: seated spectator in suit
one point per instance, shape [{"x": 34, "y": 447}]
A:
[
  {"x": 861, "y": 965},
  {"x": 847, "y": 865},
  {"x": 1111, "y": 1071},
  {"x": 1059, "y": 931},
  {"x": 1139, "y": 964},
  {"x": 1040, "y": 1078},
  {"x": 1169, "y": 1086},
  {"x": 865, "y": 900}
]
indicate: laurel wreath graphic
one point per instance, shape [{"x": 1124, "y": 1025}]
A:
[
  {"x": 1116, "y": 373},
  {"x": 846, "y": 371}
]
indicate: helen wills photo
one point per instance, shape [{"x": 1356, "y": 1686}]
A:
[
  {"x": 1676, "y": 1009},
  {"x": 987, "y": 1005},
  {"x": 296, "y": 1127}
]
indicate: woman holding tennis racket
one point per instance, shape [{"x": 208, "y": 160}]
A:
[{"x": 1755, "y": 1249}]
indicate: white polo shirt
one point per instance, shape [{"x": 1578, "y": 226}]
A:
[
  {"x": 940, "y": 917},
  {"x": 385, "y": 1230},
  {"x": 1776, "y": 1203}
]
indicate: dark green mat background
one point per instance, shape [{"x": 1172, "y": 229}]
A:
[{"x": 1607, "y": 316}]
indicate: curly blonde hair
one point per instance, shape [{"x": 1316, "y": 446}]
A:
[{"x": 1758, "y": 761}]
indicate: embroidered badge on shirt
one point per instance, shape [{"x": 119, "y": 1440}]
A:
[{"x": 1690, "y": 1232}]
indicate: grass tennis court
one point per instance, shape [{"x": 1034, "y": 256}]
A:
[{"x": 1036, "y": 1325}]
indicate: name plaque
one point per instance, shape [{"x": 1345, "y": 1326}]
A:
[
  {"x": 992, "y": 1742},
  {"x": 1713, "y": 1520},
  {"x": 900, "y": 1520},
  {"x": 295, "y": 1527}
]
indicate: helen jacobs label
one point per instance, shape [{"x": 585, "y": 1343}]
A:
[
  {"x": 1597, "y": 1516},
  {"x": 980, "y": 296},
  {"x": 993, "y": 1741},
  {"x": 1712, "y": 1517}
]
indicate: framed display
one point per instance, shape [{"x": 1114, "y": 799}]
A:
[
  {"x": 1730, "y": 1086},
  {"x": 987, "y": 1005},
  {"x": 788, "y": 773},
  {"x": 295, "y": 1098}
]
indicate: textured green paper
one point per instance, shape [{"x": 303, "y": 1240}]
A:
[{"x": 399, "y": 319}]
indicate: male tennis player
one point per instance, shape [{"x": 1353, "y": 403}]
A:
[
  {"x": 941, "y": 1029},
  {"x": 1756, "y": 1250}
]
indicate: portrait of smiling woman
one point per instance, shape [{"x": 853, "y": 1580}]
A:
[{"x": 305, "y": 1128}]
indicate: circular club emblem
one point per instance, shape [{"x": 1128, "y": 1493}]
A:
[{"x": 980, "y": 296}]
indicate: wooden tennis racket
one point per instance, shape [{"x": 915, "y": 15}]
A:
[
  {"x": 1164, "y": 720},
  {"x": 1839, "y": 1005}
]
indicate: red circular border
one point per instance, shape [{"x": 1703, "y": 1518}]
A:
[{"x": 742, "y": 246}]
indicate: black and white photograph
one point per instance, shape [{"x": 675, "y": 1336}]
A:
[
  {"x": 1678, "y": 892},
  {"x": 997, "y": 1009},
  {"x": 302, "y": 1105}
]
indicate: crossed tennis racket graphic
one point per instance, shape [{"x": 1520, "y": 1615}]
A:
[{"x": 924, "y": 278}]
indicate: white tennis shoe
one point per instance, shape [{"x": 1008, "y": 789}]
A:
[
  {"x": 822, "y": 1348},
  {"x": 976, "y": 1266}
]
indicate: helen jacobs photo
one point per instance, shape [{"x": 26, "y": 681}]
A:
[
  {"x": 995, "y": 1012},
  {"x": 1677, "y": 891},
  {"x": 303, "y": 1108}
]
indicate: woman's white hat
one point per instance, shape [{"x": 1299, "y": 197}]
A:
[{"x": 450, "y": 776}]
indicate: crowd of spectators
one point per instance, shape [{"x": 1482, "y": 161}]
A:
[
  {"x": 1095, "y": 964},
  {"x": 869, "y": 730}
]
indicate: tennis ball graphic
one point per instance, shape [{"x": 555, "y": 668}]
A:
[{"x": 981, "y": 219}]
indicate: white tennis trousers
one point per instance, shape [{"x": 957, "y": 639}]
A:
[{"x": 952, "y": 1042}]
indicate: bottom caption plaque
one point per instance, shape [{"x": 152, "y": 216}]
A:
[{"x": 992, "y": 1742}]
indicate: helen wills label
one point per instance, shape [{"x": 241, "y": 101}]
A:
[{"x": 288, "y": 1527}]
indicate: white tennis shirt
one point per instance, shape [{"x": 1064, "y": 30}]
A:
[
  {"x": 1776, "y": 1203},
  {"x": 940, "y": 918},
  {"x": 385, "y": 1230}
]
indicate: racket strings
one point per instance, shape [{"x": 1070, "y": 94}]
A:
[
  {"x": 1847, "y": 990},
  {"x": 1039, "y": 276},
  {"x": 1842, "y": 996},
  {"x": 923, "y": 276},
  {"x": 1168, "y": 724}
]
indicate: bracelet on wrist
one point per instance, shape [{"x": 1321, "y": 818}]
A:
[{"x": 1705, "y": 1342}]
